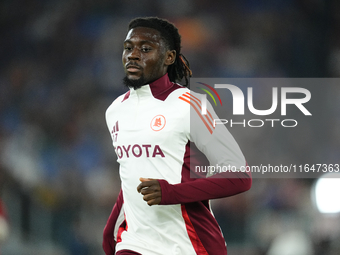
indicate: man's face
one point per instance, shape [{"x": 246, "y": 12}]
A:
[{"x": 144, "y": 57}]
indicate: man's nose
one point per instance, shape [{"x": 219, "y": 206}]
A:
[{"x": 134, "y": 54}]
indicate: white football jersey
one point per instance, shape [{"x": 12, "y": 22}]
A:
[{"x": 156, "y": 130}]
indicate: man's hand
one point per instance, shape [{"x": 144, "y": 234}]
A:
[{"x": 151, "y": 191}]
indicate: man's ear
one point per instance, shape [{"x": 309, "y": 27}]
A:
[{"x": 170, "y": 57}]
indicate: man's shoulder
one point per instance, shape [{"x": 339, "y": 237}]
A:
[
  {"x": 182, "y": 91},
  {"x": 186, "y": 95},
  {"x": 120, "y": 99},
  {"x": 177, "y": 89},
  {"x": 117, "y": 102}
]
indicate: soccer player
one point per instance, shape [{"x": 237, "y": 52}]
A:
[{"x": 160, "y": 208}]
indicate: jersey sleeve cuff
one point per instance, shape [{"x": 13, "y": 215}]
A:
[{"x": 166, "y": 189}]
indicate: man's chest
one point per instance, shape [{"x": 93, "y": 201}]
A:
[{"x": 146, "y": 130}]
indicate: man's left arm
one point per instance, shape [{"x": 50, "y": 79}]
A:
[
  {"x": 221, "y": 149},
  {"x": 217, "y": 186}
]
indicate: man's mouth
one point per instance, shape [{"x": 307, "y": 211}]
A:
[{"x": 133, "y": 68}]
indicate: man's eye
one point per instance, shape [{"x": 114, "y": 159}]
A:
[
  {"x": 146, "y": 49},
  {"x": 127, "y": 48}
]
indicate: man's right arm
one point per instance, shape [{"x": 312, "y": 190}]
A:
[
  {"x": 116, "y": 217},
  {"x": 112, "y": 225}
]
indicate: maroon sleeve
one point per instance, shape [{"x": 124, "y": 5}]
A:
[
  {"x": 217, "y": 186},
  {"x": 109, "y": 242}
]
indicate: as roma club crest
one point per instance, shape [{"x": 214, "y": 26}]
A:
[{"x": 157, "y": 123}]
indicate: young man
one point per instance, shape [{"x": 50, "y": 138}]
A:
[{"x": 160, "y": 209}]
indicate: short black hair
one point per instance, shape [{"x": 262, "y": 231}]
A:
[{"x": 169, "y": 33}]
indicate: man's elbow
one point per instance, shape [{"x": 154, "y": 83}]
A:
[{"x": 247, "y": 182}]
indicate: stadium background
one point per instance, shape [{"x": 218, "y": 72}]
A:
[{"x": 60, "y": 68}]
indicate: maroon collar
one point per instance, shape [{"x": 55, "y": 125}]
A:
[{"x": 161, "y": 86}]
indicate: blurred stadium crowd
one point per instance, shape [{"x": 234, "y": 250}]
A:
[{"x": 60, "y": 68}]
